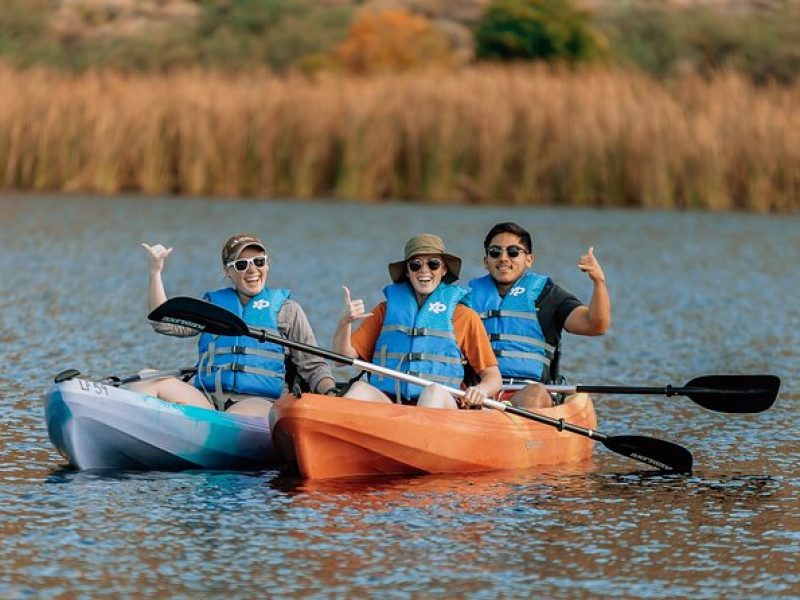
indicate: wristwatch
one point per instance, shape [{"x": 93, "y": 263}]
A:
[{"x": 331, "y": 392}]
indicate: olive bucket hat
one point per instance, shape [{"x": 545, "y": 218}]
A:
[{"x": 426, "y": 243}]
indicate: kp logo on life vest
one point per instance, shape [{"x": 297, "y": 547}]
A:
[
  {"x": 437, "y": 307},
  {"x": 261, "y": 304},
  {"x": 516, "y": 291}
]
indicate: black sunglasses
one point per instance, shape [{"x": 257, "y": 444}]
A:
[
  {"x": 242, "y": 264},
  {"x": 434, "y": 264},
  {"x": 512, "y": 251}
]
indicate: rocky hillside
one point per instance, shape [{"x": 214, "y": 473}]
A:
[
  {"x": 92, "y": 18},
  {"x": 119, "y": 18}
]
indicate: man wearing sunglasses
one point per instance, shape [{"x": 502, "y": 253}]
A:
[
  {"x": 240, "y": 374},
  {"x": 424, "y": 329},
  {"x": 524, "y": 312}
]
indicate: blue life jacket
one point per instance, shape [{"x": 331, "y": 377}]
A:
[
  {"x": 419, "y": 341},
  {"x": 242, "y": 364},
  {"x": 513, "y": 325}
]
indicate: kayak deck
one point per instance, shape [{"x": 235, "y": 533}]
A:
[
  {"x": 339, "y": 437},
  {"x": 98, "y": 426}
]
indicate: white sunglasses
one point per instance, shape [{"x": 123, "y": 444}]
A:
[{"x": 242, "y": 264}]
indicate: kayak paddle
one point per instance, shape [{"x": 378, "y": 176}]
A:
[
  {"x": 210, "y": 318},
  {"x": 722, "y": 393}
]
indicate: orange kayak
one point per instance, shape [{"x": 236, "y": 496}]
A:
[{"x": 337, "y": 437}]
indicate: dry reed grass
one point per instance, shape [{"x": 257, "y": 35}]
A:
[{"x": 516, "y": 135}]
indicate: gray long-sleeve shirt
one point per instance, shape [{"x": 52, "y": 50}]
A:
[{"x": 292, "y": 325}]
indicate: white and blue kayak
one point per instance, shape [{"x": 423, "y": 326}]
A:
[{"x": 96, "y": 425}]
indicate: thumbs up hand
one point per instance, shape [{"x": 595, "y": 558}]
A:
[
  {"x": 589, "y": 265},
  {"x": 353, "y": 309}
]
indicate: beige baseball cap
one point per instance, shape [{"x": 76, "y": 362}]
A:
[{"x": 236, "y": 243}]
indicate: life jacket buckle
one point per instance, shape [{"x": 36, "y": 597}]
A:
[{"x": 238, "y": 350}]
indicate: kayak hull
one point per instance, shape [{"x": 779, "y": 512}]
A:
[
  {"x": 98, "y": 426},
  {"x": 338, "y": 437}
]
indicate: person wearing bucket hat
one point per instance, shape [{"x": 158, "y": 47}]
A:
[
  {"x": 525, "y": 312},
  {"x": 424, "y": 328},
  {"x": 240, "y": 375}
]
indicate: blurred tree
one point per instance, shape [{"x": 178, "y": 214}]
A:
[
  {"x": 23, "y": 24},
  {"x": 536, "y": 29},
  {"x": 391, "y": 41}
]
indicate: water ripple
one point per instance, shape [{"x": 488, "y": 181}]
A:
[{"x": 693, "y": 294}]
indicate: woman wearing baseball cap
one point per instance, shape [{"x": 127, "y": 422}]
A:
[
  {"x": 423, "y": 328},
  {"x": 239, "y": 374}
]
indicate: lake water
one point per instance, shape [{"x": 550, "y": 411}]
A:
[{"x": 693, "y": 294}]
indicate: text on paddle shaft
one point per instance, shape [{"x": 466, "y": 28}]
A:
[{"x": 94, "y": 387}]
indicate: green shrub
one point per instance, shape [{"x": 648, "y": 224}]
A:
[
  {"x": 550, "y": 30},
  {"x": 663, "y": 40},
  {"x": 23, "y": 29}
]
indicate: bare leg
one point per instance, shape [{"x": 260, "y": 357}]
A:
[
  {"x": 255, "y": 406},
  {"x": 172, "y": 390},
  {"x": 534, "y": 395},
  {"x": 435, "y": 396},
  {"x": 361, "y": 390}
]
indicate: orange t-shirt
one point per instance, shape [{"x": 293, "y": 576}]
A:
[{"x": 470, "y": 335}]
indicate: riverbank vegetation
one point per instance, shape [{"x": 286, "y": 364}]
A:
[
  {"x": 515, "y": 134},
  {"x": 508, "y": 101}
]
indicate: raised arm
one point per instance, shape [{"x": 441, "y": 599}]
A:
[
  {"x": 594, "y": 319},
  {"x": 157, "y": 255},
  {"x": 156, "y": 296}
]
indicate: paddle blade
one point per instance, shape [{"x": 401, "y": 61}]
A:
[
  {"x": 654, "y": 452},
  {"x": 199, "y": 315},
  {"x": 734, "y": 393}
]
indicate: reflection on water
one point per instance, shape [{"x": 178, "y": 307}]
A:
[{"x": 693, "y": 295}]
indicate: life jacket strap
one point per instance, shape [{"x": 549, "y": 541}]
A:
[
  {"x": 526, "y": 355},
  {"x": 508, "y": 337},
  {"x": 424, "y": 331},
  {"x": 216, "y": 393},
  {"x": 418, "y": 356},
  {"x": 250, "y": 351},
  {"x": 237, "y": 368},
  {"x": 518, "y": 314}
]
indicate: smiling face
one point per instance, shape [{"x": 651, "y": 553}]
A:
[
  {"x": 504, "y": 269},
  {"x": 428, "y": 276},
  {"x": 251, "y": 281}
]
